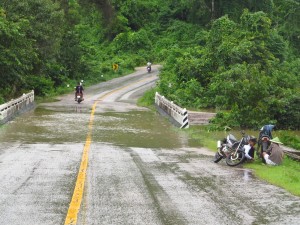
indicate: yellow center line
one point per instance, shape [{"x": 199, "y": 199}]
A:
[{"x": 71, "y": 218}]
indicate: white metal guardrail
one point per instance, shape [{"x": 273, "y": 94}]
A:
[
  {"x": 178, "y": 114},
  {"x": 15, "y": 106}
]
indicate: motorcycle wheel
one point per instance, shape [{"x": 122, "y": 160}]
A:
[
  {"x": 79, "y": 100},
  {"x": 235, "y": 159},
  {"x": 217, "y": 158}
]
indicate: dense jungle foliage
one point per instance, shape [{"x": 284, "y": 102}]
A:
[{"x": 240, "y": 58}]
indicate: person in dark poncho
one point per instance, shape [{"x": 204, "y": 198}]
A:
[{"x": 265, "y": 135}]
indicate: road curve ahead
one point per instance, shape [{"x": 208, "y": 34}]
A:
[{"x": 108, "y": 161}]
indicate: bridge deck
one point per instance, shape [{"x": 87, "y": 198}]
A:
[{"x": 199, "y": 118}]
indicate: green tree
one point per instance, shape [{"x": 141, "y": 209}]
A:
[
  {"x": 17, "y": 55},
  {"x": 287, "y": 21}
]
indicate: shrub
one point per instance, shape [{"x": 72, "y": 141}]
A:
[{"x": 41, "y": 85}]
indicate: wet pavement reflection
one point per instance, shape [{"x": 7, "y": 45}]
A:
[
  {"x": 248, "y": 176},
  {"x": 129, "y": 129},
  {"x": 141, "y": 170}
]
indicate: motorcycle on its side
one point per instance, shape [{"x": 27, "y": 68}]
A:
[{"x": 232, "y": 150}]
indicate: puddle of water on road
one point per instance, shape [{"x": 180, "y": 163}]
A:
[
  {"x": 247, "y": 175},
  {"x": 138, "y": 129},
  {"x": 41, "y": 125},
  {"x": 133, "y": 129}
]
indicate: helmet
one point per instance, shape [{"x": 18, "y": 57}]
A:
[
  {"x": 253, "y": 139},
  {"x": 246, "y": 139}
]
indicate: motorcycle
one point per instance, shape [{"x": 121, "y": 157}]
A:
[
  {"x": 149, "y": 69},
  {"x": 232, "y": 150},
  {"x": 79, "y": 98}
]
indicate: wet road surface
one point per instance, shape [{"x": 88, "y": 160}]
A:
[{"x": 141, "y": 169}]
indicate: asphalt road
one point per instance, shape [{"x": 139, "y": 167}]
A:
[{"x": 123, "y": 164}]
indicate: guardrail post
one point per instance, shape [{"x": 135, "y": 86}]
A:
[{"x": 185, "y": 120}]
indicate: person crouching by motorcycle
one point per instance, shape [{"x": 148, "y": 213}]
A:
[
  {"x": 250, "y": 149},
  {"x": 274, "y": 154},
  {"x": 265, "y": 135},
  {"x": 78, "y": 90}
]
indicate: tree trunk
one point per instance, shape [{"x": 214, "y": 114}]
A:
[{"x": 213, "y": 9}]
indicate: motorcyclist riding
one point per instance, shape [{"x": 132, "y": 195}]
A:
[
  {"x": 149, "y": 66},
  {"x": 78, "y": 90}
]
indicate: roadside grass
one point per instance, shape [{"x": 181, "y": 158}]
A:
[
  {"x": 285, "y": 175},
  {"x": 147, "y": 99}
]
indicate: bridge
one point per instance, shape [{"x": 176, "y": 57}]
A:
[
  {"x": 181, "y": 116},
  {"x": 16, "y": 106}
]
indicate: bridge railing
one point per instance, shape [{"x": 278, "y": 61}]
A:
[
  {"x": 177, "y": 113},
  {"x": 15, "y": 106}
]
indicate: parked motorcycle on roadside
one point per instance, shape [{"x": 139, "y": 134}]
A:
[{"x": 232, "y": 150}]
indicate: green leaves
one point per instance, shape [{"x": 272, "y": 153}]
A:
[
  {"x": 132, "y": 41},
  {"x": 258, "y": 23},
  {"x": 17, "y": 53},
  {"x": 242, "y": 70},
  {"x": 238, "y": 56},
  {"x": 31, "y": 34},
  {"x": 41, "y": 85}
]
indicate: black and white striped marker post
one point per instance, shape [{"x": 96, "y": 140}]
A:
[{"x": 185, "y": 121}]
